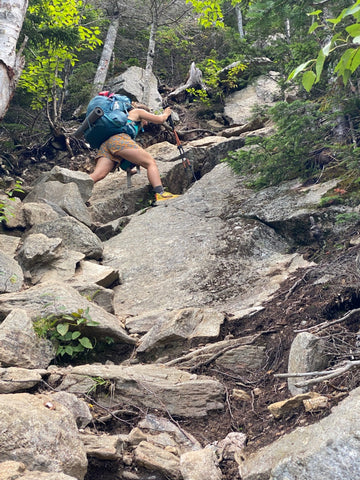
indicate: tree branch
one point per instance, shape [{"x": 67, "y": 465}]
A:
[{"x": 320, "y": 376}]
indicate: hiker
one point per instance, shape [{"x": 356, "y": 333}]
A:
[{"x": 122, "y": 146}]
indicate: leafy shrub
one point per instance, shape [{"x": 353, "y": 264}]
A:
[
  {"x": 65, "y": 332},
  {"x": 288, "y": 153}
]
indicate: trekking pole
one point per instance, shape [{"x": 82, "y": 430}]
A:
[{"x": 185, "y": 161}]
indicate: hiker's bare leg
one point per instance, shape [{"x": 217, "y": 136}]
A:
[
  {"x": 103, "y": 167},
  {"x": 141, "y": 157}
]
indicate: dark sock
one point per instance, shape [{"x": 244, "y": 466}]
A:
[{"x": 159, "y": 189}]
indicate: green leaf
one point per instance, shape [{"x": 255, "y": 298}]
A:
[
  {"x": 308, "y": 80},
  {"x": 319, "y": 65},
  {"x": 69, "y": 350},
  {"x": 75, "y": 335},
  {"x": 345, "y": 61},
  {"x": 313, "y": 27},
  {"x": 345, "y": 13},
  {"x": 355, "y": 61},
  {"x": 78, "y": 348},
  {"x": 299, "y": 69},
  {"x": 92, "y": 323},
  {"x": 62, "y": 328},
  {"x": 317, "y": 12},
  {"x": 85, "y": 342},
  {"x": 67, "y": 337},
  {"x": 353, "y": 30}
]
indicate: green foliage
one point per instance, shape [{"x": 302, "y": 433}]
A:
[
  {"x": 345, "y": 34},
  {"x": 80, "y": 87},
  {"x": 329, "y": 199},
  {"x": 349, "y": 217},
  {"x": 57, "y": 36},
  {"x": 99, "y": 383},
  {"x": 5, "y": 207},
  {"x": 65, "y": 331},
  {"x": 286, "y": 154},
  {"x": 210, "y": 12},
  {"x": 199, "y": 95},
  {"x": 174, "y": 44}
]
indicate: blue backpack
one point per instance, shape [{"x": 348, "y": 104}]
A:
[{"x": 114, "y": 120}]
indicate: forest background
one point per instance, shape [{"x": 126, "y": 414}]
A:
[{"x": 67, "y": 50}]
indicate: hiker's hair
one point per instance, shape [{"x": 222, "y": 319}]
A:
[{"x": 140, "y": 105}]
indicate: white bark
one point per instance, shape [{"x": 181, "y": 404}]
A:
[
  {"x": 194, "y": 80},
  {"x": 149, "y": 62},
  {"x": 239, "y": 21},
  {"x": 288, "y": 29},
  {"x": 108, "y": 48},
  {"x": 12, "y": 14}
]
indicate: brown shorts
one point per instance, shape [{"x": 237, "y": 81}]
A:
[{"x": 114, "y": 145}]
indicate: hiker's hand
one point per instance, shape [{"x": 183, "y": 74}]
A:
[{"x": 167, "y": 113}]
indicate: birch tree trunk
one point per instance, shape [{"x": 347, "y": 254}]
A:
[
  {"x": 239, "y": 21},
  {"x": 108, "y": 48},
  {"x": 288, "y": 29},
  {"x": 12, "y": 14},
  {"x": 150, "y": 61}
]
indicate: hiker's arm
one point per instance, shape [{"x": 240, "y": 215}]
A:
[{"x": 138, "y": 114}]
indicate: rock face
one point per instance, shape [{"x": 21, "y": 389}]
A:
[
  {"x": 152, "y": 386},
  {"x": 42, "y": 427},
  {"x": 265, "y": 90},
  {"x": 131, "y": 83},
  {"x": 165, "y": 291}
]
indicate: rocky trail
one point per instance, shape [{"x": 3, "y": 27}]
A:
[{"x": 202, "y": 306}]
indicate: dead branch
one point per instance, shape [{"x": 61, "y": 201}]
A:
[
  {"x": 321, "y": 376},
  {"x": 194, "y": 79},
  {"x": 296, "y": 284},
  {"x": 209, "y": 354},
  {"x": 322, "y": 326}
]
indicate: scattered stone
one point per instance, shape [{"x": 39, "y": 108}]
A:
[
  {"x": 315, "y": 404},
  {"x": 190, "y": 324},
  {"x": 184, "y": 440},
  {"x": 90, "y": 272},
  {"x": 157, "y": 459},
  {"x": 232, "y": 446},
  {"x": 246, "y": 356},
  {"x": 14, "y": 379},
  {"x": 9, "y": 244},
  {"x": 61, "y": 197},
  {"x": 74, "y": 234},
  {"x": 35, "y": 213},
  {"x": 241, "y": 395},
  {"x": 38, "y": 249},
  {"x": 58, "y": 298},
  {"x": 307, "y": 354},
  {"x": 104, "y": 447},
  {"x": 200, "y": 465},
  {"x": 20, "y": 346},
  {"x": 289, "y": 406},
  {"x": 11, "y": 274}
]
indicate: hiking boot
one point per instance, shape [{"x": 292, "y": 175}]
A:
[{"x": 164, "y": 196}]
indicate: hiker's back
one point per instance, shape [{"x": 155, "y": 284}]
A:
[{"x": 114, "y": 120}]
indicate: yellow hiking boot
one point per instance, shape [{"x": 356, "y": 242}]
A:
[{"x": 164, "y": 196}]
